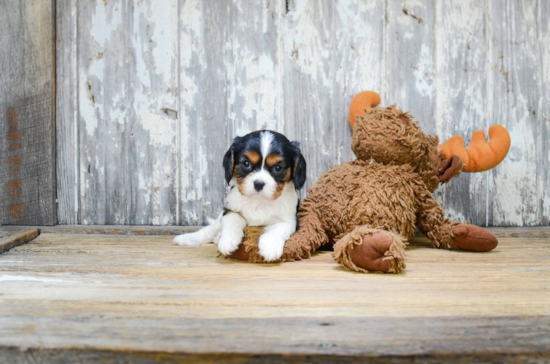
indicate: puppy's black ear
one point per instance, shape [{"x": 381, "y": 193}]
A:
[
  {"x": 228, "y": 164},
  {"x": 299, "y": 173}
]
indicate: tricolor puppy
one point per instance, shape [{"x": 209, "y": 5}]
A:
[{"x": 264, "y": 170}]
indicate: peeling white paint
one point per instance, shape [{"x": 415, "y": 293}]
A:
[
  {"x": 423, "y": 72},
  {"x": 296, "y": 72},
  {"x": 160, "y": 128}
]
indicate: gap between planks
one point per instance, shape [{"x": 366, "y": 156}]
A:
[{"x": 500, "y": 232}]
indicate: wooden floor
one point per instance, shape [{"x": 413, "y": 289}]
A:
[{"x": 69, "y": 298}]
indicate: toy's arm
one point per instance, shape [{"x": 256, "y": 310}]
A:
[
  {"x": 432, "y": 222},
  {"x": 308, "y": 238}
]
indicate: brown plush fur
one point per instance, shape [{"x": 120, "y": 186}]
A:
[
  {"x": 390, "y": 136},
  {"x": 387, "y": 189}
]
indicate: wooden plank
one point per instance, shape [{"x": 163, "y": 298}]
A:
[
  {"x": 110, "y": 357},
  {"x": 514, "y": 198},
  {"x": 128, "y": 110},
  {"x": 153, "y": 89},
  {"x": 461, "y": 100},
  {"x": 10, "y": 237},
  {"x": 141, "y": 296},
  {"x": 104, "y": 112},
  {"x": 544, "y": 113},
  {"x": 322, "y": 340},
  {"x": 123, "y": 229},
  {"x": 230, "y": 85},
  {"x": 31, "y": 356},
  {"x": 410, "y": 59},
  {"x": 331, "y": 51},
  {"x": 196, "y": 283},
  {"x": 500, "y": 232},
  {"x": 27, "y": 133},
  {"x": 67, "y": 127}
]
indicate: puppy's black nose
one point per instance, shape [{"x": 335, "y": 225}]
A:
[{"x": 258, "y": 185}]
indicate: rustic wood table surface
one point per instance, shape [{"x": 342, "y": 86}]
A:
[{"x": 77, "y": 298}]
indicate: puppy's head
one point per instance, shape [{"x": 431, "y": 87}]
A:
[{"x": 262, "y": 163}]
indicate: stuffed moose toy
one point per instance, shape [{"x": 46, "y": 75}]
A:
[{"x": 369, "y": 207}]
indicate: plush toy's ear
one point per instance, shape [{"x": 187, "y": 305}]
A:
[
  {"x": 299, "y": 172},
  {"x": 228, "y": 164}
]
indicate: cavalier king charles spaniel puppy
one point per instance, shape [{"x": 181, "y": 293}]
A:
[{"x": 264, "y": 170}]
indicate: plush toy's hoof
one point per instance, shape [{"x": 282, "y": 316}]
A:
[
  {"x": 370, "y": 254},
  {"x": 240, "y": 253},
  {"x": 369, "y": 249},
  {"x": 473, "y": 238}
]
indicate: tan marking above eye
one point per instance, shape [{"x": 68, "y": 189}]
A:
[
  {"x": 252, "y": 156},
  {"x": 273, "y": 159}
]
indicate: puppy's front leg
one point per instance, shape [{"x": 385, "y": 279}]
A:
[
  {"x": 232, "y": 233},
  {"x": 272, "y": 241}
]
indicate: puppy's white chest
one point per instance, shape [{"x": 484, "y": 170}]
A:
[
  {"x": 260, "y": 215},
  {"x": 261, "y": 212}
]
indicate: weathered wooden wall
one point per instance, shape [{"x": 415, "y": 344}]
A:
[
  {"x": 151, "y": 93},
  {"x": 27, "y": 113}
]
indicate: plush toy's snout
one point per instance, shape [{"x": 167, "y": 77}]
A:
[{"x": 450, "y": 167}]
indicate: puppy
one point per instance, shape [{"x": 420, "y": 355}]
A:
[{"x": 264, "y": 170}]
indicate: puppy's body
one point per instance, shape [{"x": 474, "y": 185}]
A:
[{"x": 264, "y": 170}]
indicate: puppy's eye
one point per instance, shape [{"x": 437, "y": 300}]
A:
[
  {"x": 278, "y": 168},
  {"x": 246, "y": 164}
]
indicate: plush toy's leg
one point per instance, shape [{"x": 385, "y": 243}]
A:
[
  {"x": 473, "y": 238},
  {"x": 369, "y": 249},
  {"x": 446, "y": 234},
  {"x": 309, "y": 237},
  {"x": 248, "y": 249}
]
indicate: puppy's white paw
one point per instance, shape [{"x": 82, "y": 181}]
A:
[
  {"x": 229, "y": 241},
  {"x": 271, "y": 247},
  {"x": 192, "y": 239}
]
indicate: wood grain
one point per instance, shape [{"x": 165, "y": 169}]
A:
[
  {"x": 11, "y": 236},
  {"x": 135, "y": 230},
  {"x": 27, "y": 132},
  {"x": 460, "y": 107},
  {"x": 128, "y": 109},
  {"x": 515, "y": 198},
  {"x": 544, "y": 113},
  {"x": 105, "y": 110},
  {"x": 144, "y": 296},
  {"x": 67, "y": 126},
  {"x": 153, "y": 155},
  {"x": 499, "y": 232},
  {"x": 410, "y": 59},
  {"x": 229, "y": 86},
  {"x": 171, "y": 84},
  {"x": 330, "y": 52},
  {"x": 58, "y": 356}
]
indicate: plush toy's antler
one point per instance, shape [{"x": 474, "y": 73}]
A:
[
  {"x": 479, "y": 156},
  {"x": 365, "y": 100}
]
